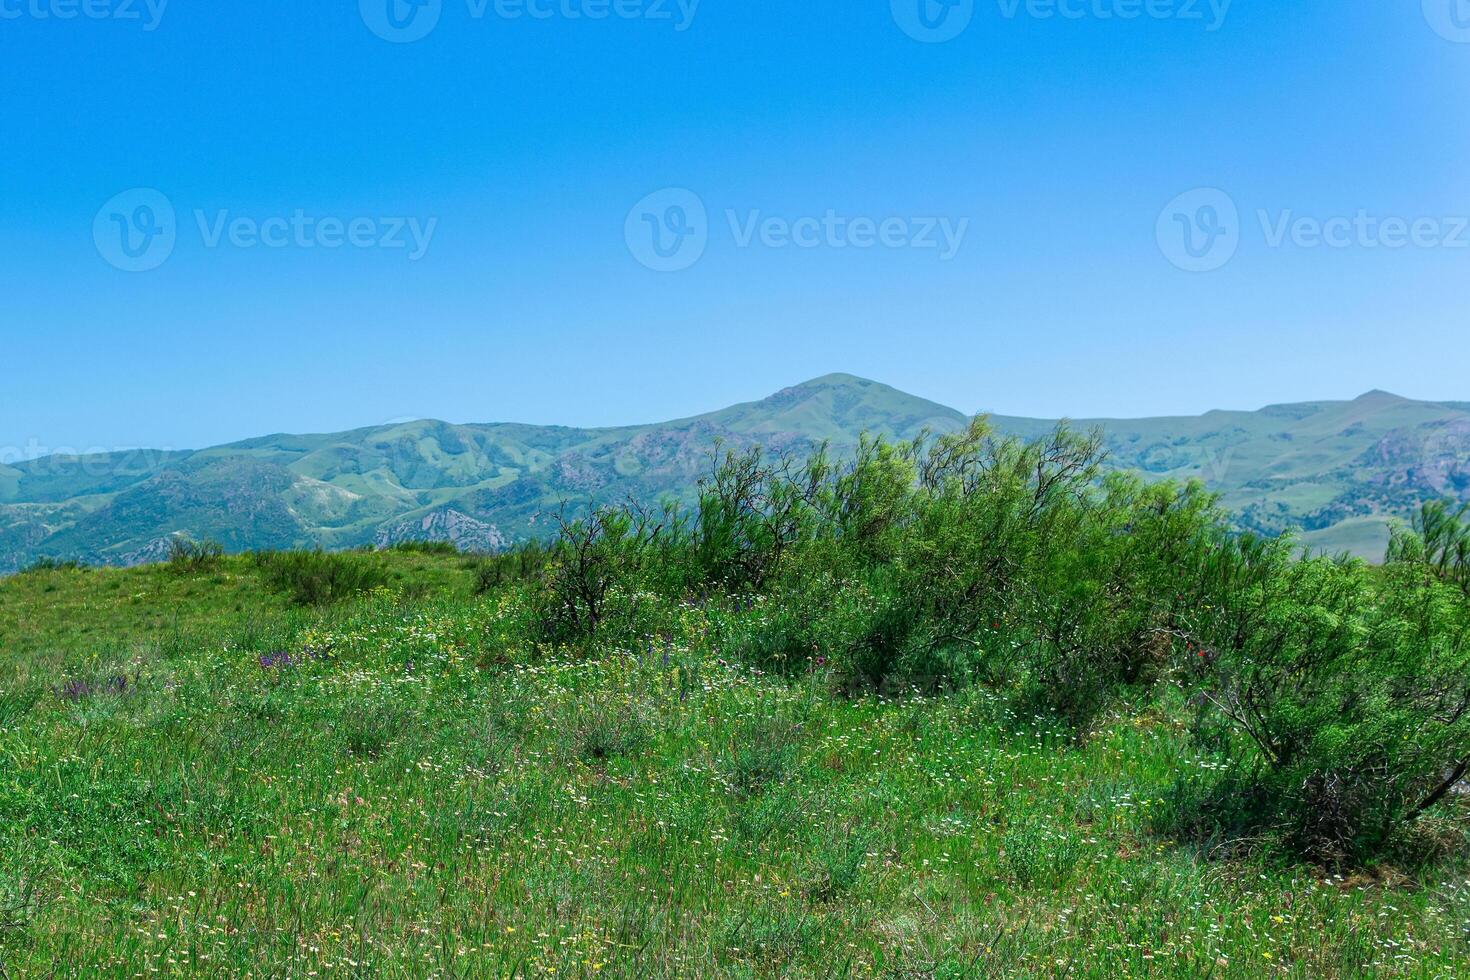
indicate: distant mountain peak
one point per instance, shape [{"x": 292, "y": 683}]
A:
[
  {"x": 837, "y": 379},
  {"x": 837, "y": 382},
  {"x": 837, "y": 407},
  {"x": 1379, "y": 395}
]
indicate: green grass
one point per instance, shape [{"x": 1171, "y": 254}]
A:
[
  {"x": 1357, "y": 535},
  {"x": 418, "y": 790}
]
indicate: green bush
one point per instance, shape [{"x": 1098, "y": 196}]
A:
[
  {"x": 316, "y": 578},
  {"x": 49, "y": 564},
  {"x": 1337, "y": 695},
  {"x": 592, "y": 582},
  {"x": 189, "y": 557},
  {"x": 1437, "y": 541},
  {"x": 980, "y": 558},
  {"x": 520, "y": 564}
]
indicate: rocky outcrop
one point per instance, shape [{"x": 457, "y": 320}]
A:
[{"x": 446, "y": 524}]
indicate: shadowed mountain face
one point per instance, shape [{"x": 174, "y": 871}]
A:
[{"x": 1337, "y": 470}]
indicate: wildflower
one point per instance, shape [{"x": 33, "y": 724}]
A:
[
  {"x": 277, "y": 660},
  {"x": 79, "y": 688}
]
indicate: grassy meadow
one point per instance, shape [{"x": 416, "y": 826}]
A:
[
  {"x": 200, "y": 777},
  {"x": 964, "y": 708}
]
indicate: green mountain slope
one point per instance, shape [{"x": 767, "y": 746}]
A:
[{"x": 1339, "y": 471}]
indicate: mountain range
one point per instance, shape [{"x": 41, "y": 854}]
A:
[{"x": 1338, "y": 471}]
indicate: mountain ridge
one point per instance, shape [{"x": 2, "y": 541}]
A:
[{"x": 1338, "y": 470}]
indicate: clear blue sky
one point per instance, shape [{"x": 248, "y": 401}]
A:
[{"x": 1060, "y": 139}]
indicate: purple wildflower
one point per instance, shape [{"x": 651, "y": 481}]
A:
[
  {"x": 81, "y": 688},
  {"x": 277, "y": 660}
]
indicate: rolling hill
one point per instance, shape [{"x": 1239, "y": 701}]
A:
[{"x": 1339, "y": 471}]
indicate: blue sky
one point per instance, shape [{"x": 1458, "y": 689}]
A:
[{"x": 1057, "y": 138}]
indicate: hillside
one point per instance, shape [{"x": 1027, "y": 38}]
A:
[{"x": 1337, "y": 470}]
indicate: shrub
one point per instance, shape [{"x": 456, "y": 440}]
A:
[
  {"x": 1437, "y": 540},
  {"x": 1341, "y": 702},
  {"x": 751, "y": 510},
  {"x": 593, "y": 577},
  {"x": 49, "y": 564},
  {"x": 1337, "y": 696},
  {"x": 1101, "y": 596},
  {"x": 520, "y": 564},
  {"x": 979, "y": 557},
  {"x": 189, "y": 557},
  {"x": 315, "y": 578}
]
